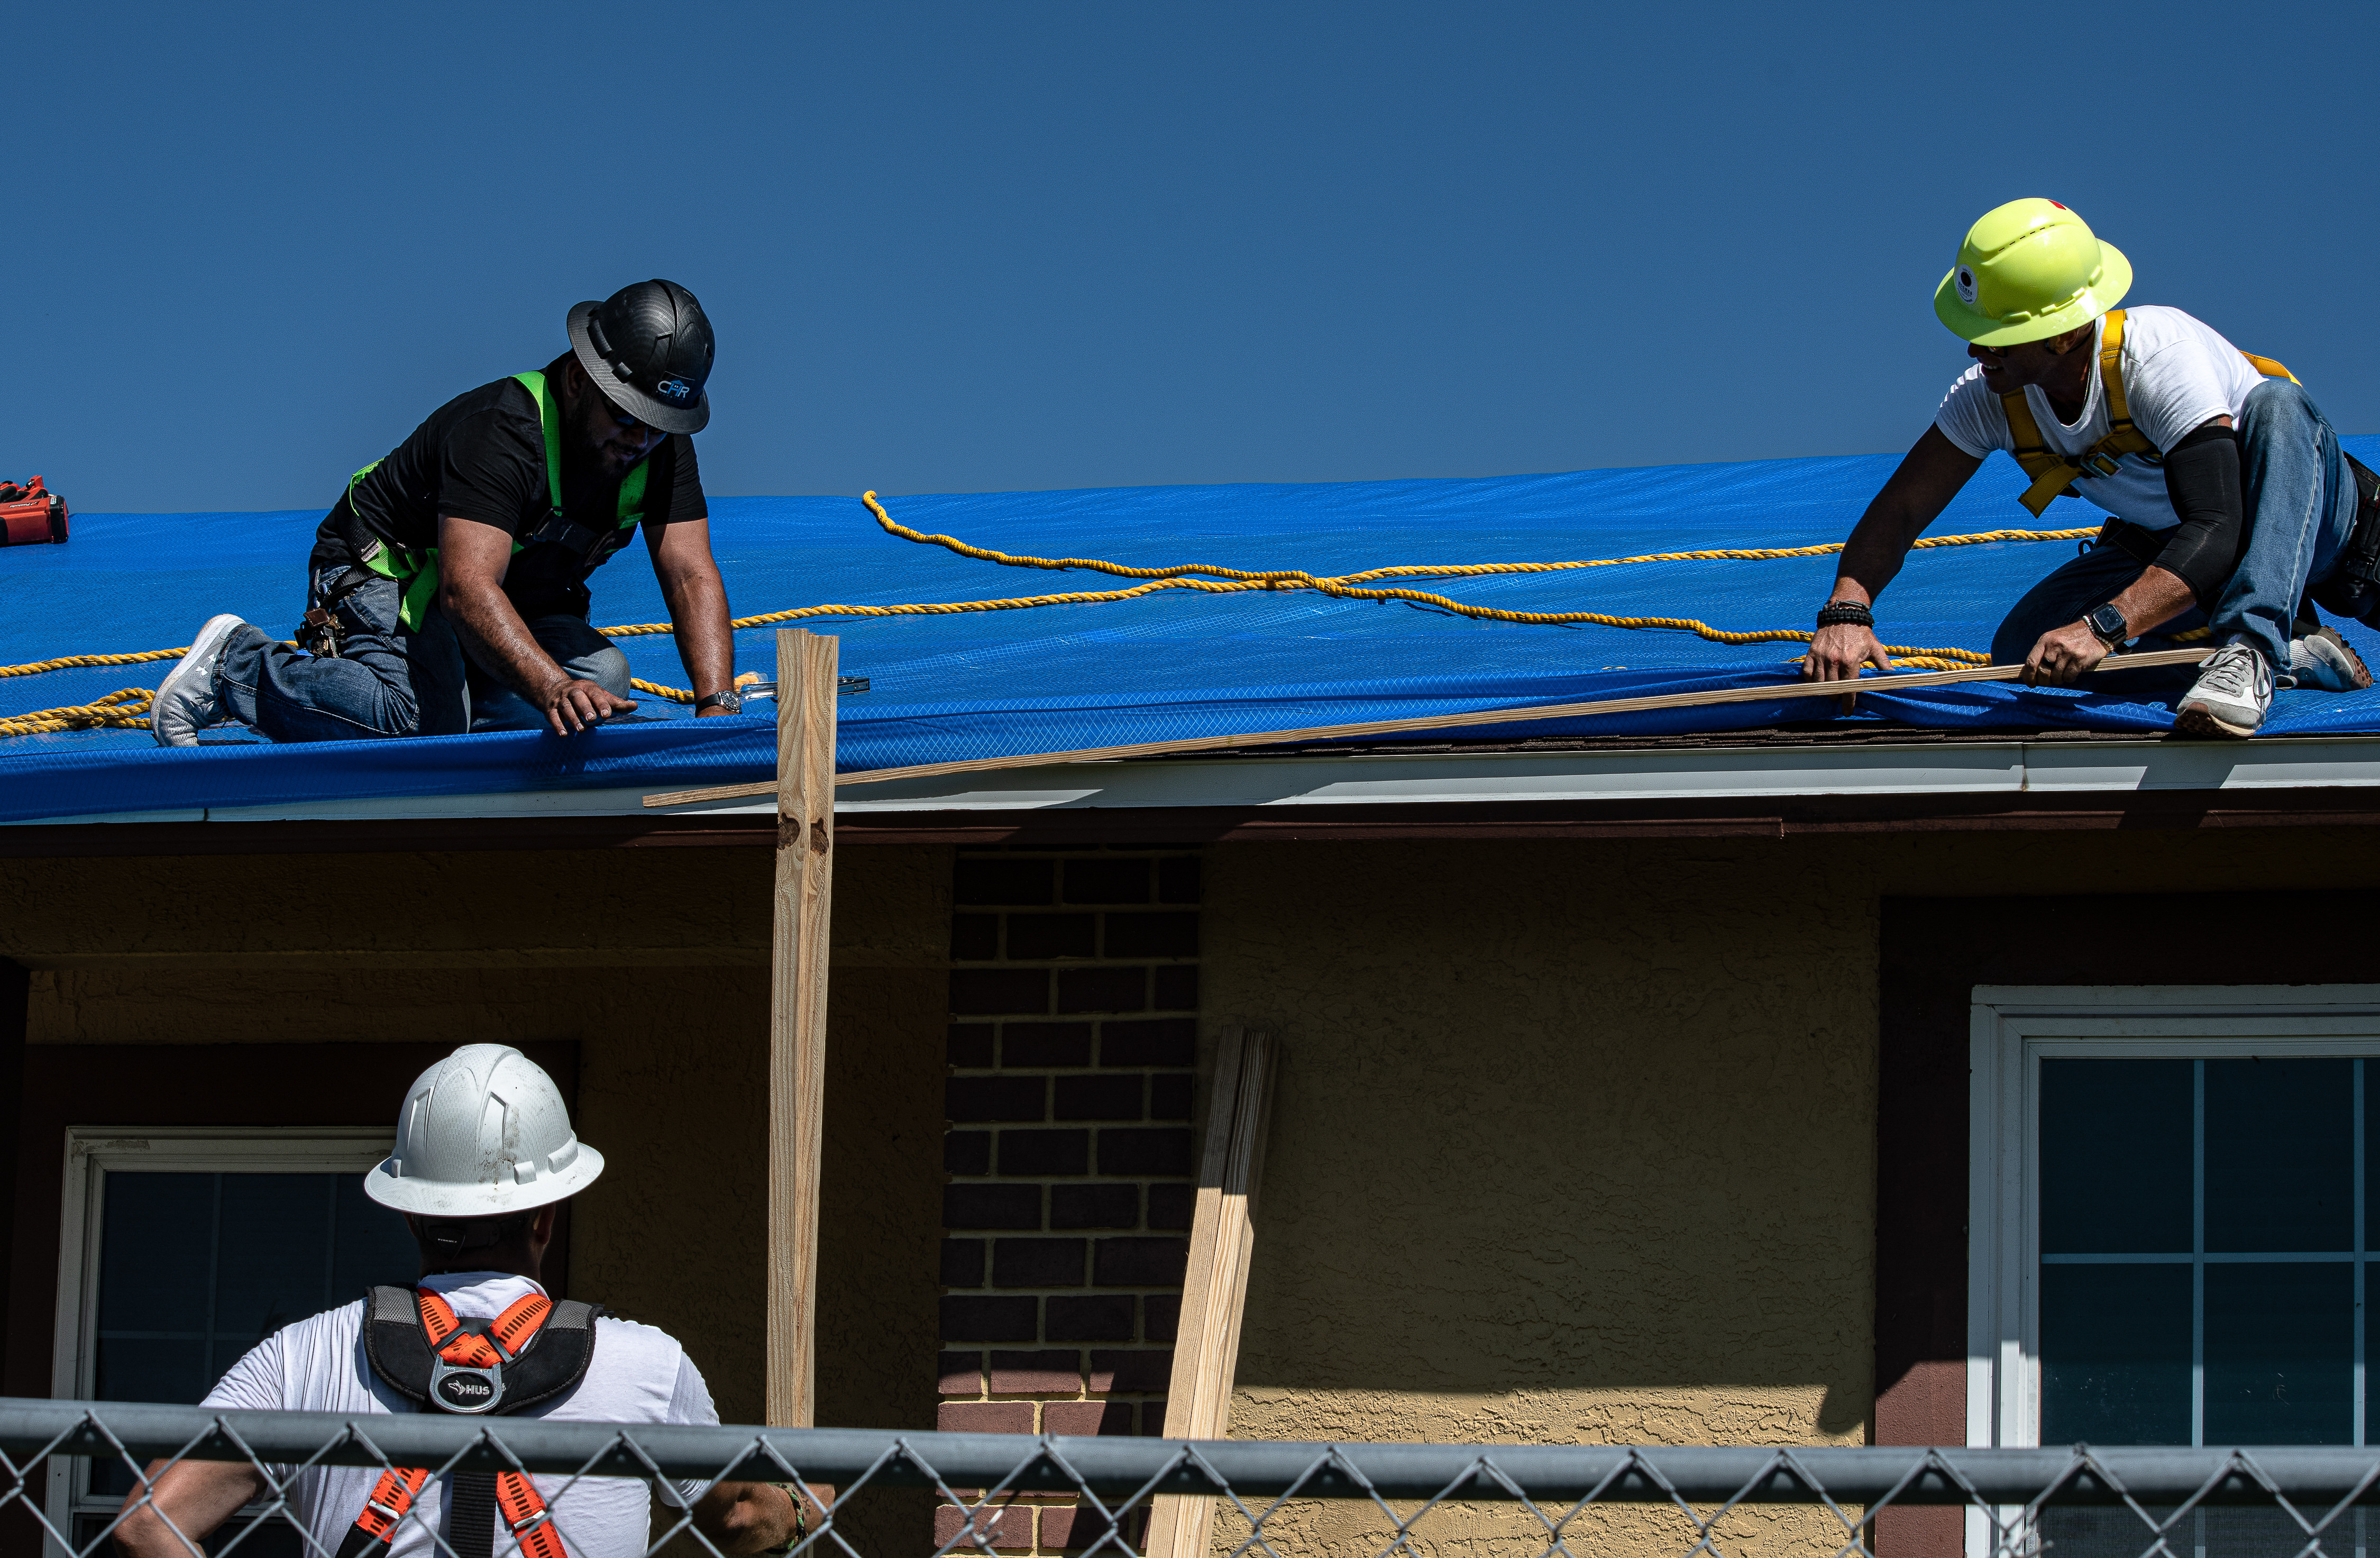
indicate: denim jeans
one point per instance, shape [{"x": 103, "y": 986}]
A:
[
  {"x": 386, "y": 681},
  {"x": 2300, "y": 500}
]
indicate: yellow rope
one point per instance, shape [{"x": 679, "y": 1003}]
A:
[
  {"x": 1216, "y": 580},
  {"x": 126, "y": 709}
]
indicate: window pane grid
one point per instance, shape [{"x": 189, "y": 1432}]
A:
[{"x": 2241, "y": 1293}]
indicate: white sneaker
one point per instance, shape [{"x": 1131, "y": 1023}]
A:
[
  {"x": 2231, "y": 696},
  {"x": 2322, "y": 659},
  {"x": 186, "y": 700}
]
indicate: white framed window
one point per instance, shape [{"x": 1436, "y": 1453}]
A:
[
  {"x": 179, "y": 1249},
  {"x": 2171, "y": 1215}
]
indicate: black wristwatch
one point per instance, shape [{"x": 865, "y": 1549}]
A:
[
  {"x": 2108, "y": 623},
  {"x": 729, "y": 700}
]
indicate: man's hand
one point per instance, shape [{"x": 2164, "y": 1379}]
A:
[
  {"x": 2064, "y": 654},
  {"x": 1838, "y": 653},
  {"x": 571, "y": 706},
  {"x": 745, "y": 1517}
]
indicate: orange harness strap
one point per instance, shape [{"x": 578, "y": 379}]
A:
[{"x": 523, "y": 1511}]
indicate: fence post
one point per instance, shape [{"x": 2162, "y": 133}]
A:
[{"x": 798, "y": 972}]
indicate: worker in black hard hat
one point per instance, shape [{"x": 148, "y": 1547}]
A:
[{"x": 448, "y": 587}]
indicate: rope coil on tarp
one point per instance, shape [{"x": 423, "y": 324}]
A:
[{"x": 118, "y": 708}]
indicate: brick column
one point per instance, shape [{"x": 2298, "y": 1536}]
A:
[{"x": 1074, "y": 1033}]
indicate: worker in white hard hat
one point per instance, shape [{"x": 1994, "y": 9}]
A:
[
  {"x": 484, "y": 1158},
  {"x": 2235, "y": 511}
]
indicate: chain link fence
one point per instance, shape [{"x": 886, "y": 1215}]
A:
[{"x": 61, "y": 1461}]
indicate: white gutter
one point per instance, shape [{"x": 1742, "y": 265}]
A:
[{"x": 1706, "y": 773}]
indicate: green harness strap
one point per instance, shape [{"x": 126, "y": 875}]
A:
[{"x": 416, "y": 569}]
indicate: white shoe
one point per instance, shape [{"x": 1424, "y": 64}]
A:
[
  {"x": 186, "y": 700},
  {"x": 2322, "y": 659},
  {"x": 2233, "y": 693}
]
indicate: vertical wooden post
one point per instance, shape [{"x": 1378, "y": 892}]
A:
[
  {"x": 798, "y": 956},
  {"x": 1215, "y": 1287}
]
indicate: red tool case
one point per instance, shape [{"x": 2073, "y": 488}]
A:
[{"x": 30, "y": 513}]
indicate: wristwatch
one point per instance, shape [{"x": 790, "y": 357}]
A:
[
  {"x": 727, "y": 699},
  {"x": 2108, "y": 623}
]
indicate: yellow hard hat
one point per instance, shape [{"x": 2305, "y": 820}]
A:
[{"x": 2029, "y": 269}]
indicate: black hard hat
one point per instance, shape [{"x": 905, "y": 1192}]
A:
[{"x": 647, "y": 347}]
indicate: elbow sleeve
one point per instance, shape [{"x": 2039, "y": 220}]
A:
[{"x": 2202, "y": 481}]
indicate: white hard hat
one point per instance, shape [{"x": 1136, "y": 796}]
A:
[{"x": 483, "y": 1134}]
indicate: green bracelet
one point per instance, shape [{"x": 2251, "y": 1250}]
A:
[{"x": 801, "y": 1519}]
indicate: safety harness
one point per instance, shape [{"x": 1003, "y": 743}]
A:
[
  {"x": 532, "y": 1352},
  {"x": 415, "y": 569},
  {"x": 2053, "y": 474}
]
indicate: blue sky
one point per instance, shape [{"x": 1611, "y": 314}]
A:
[{"x": 992, "y": 246}]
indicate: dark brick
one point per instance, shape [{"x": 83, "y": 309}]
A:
[
  {"x": 1102, "y": 1317},
  {"x": 1177, "y": 880},
  {"x": 1124, "y": 1152},
  {"x": 1057, "y": 1371},
  {"x": 1096, "y": 1097},
  {"x": 1149, "y": 935},
  {"x": 1162, "y": 1316},
  {"x": 1006, "y": 1527},
  {"x": 1025, "y": 1154},
  {"x": 1073, "y": 1527},
  {"x": 984, "y": 1417},
  {"x": 970, "y": 1099},
  {"x": 1107, "y": 881},
  {"x": 1086, "y": 1417},
  {"x": 967, "y": 1153},
  {"x": 972, "y": 1318},
  {"x": 1169, "y": 1097},
  {"x": 1152, "y": 1420},
  {"x": 962, "y": 1374},
  {"x": 975, "y": 938},
  {"x": 1037, "y": 1262},
  {"x": 1097, "y": 1206},
  {"x": 1052, "y": 936},
  {"x": 1169, "y": 1206},
  {"x": 977, "y": 993},
  {"x": 1135, "y": 1262},
  {"x": 1128, "y": 1372},
  {"x": 994, "y": 881},
  {"x": 962, "y": 1262},
  {"x": 1177, "y": 989},
  {"x": 1096, "y": 990},
  {"x": 1149, "y": 1042},
  {"x": 991, "y": 1206},
  {"x": 969, "y": 1043},
  {"x": 1045, "y": 1043}
]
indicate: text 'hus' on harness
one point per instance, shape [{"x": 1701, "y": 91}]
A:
[
  {"x": 533, "y": 1352},
  {"x": 2053, "y": 474}
]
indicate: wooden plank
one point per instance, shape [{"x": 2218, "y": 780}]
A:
[
  {"x": 797, "y": 953},
  {"x": 1215, "y": 1287},
  {"x": 1895, "y": 682}
]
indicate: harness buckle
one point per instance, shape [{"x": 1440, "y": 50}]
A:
[
  {"x": 468, "y": 1389},
  {"x": 530, "y": 1521},
  {"x": 2102, "y": 463},
  {"x": 383, "y": 1511}
]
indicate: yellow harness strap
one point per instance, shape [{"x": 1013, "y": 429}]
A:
[{"x": 2053, "y": 474}]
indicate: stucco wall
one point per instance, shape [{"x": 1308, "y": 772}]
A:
[
  {"x": 1575, "y": 1141},
  {"x": 655, "y": 962}
]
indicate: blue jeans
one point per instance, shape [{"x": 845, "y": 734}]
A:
[
  {"x": 2300, "y": 499},
  {"x": 386, "y": 681}
]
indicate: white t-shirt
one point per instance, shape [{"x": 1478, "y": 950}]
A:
[
  {"x": 2178, "y": 375},
  {"x": 638, "y": 1375}
]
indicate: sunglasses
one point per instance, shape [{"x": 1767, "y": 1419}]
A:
[{"x": 627, "y": 422}]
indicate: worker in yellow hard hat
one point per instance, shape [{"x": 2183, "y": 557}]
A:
[{"x": 2233, "y": 506}]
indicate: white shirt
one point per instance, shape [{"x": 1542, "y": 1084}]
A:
[
  {"x": 2178, "y": 375},
  {"x": 638, "y": 1375}
]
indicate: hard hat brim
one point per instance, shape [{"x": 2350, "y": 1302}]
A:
[
  {"x": 427, "y": 1197},
  {"x": 1983, "y": 330},
  {"x": 650, "y": 409}
]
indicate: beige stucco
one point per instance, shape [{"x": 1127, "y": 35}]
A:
[{"x": 1574, "y": 1141}]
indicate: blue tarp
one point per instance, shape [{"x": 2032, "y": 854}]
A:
[{"x": 1053, "y": 678}]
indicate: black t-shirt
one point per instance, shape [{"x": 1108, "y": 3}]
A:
[{"x": 481, "y": 457}]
